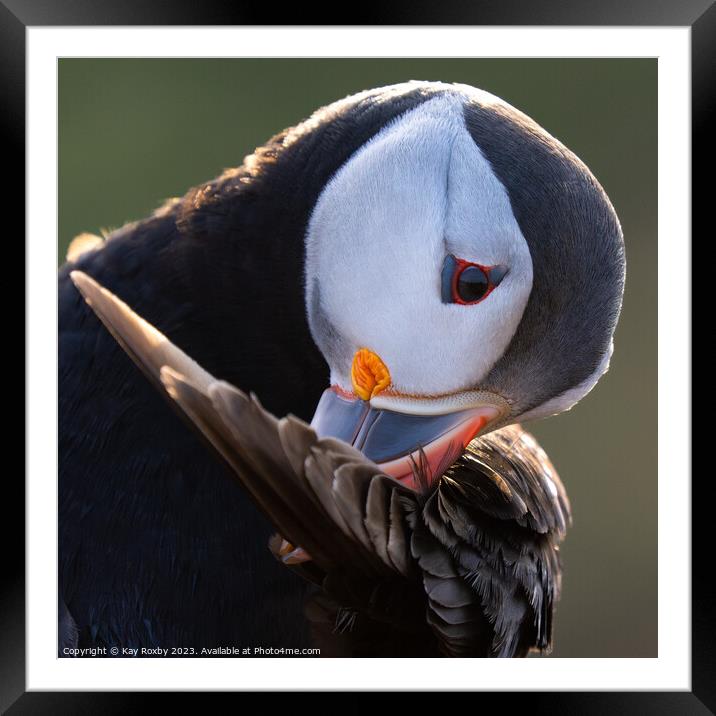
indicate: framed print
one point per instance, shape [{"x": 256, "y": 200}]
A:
[{"x": 557, "y": 153}]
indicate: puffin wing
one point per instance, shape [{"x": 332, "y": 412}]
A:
[
  {"x": 487, "y": 545},
  {"x": 321, "y": 494}
]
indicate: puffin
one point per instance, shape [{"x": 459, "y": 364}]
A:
[{"x": 405, "y": 276}]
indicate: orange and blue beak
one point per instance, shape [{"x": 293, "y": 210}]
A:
[{"x": 413, "y": 448}]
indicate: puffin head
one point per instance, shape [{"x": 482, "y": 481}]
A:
[{"x": 464, "y": 270}]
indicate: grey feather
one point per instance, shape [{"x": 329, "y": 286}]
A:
[
  {"x": 376, "y": 524},
  {"x": 398, "y": 550}
]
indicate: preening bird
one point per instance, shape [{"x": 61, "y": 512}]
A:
[{"x": 428, "y": 267}]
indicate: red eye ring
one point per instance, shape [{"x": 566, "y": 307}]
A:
[{"x": 467, "y": 283}]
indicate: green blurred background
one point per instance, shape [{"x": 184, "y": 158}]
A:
[{"x": 133, "y": 132}]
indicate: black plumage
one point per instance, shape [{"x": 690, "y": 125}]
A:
[{"x": 466, "y": 567}]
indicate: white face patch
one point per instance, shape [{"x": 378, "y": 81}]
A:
[{"x": 376, "y": 243}]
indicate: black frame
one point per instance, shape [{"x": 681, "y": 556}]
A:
[{"x": 700, "y": 15}]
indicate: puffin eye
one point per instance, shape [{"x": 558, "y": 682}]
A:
[
  {"x": 464, "y": 282},
  {"x": 471, "y": 285}
]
